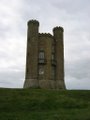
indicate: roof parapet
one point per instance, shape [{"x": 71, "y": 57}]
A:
[
  {"x": 33, "y": 22},
  {"x": 45, "y": 35},
  {"x": 58, "y": 28}
]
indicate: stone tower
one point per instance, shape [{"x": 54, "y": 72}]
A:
[{"x": 45, "y": 58}]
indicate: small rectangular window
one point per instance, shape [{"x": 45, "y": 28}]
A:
[
  {"x": 41, "y": 55},
  {"x": 53, "y": 73},
  {"x": 41, "y": 72},
  {"x": 53, "y": 56},
  {"x": 41, "y": 69},
  {"x": 42, "y": 59},
  {"x": 53, "y": 48}
]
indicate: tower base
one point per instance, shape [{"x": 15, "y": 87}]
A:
[
  {"x": 45, "y": 84},
  {"x": 31, "y": 83}
]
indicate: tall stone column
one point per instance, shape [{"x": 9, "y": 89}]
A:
[
  {"x": 58, "y": 36},
  {"x": 32, "y": 55}
]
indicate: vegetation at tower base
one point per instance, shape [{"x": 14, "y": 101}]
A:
[{"x": 40, "y": 104}]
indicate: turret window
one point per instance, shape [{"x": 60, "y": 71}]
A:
[
  {"x": 53, "y": 48},
  {"x": 53, "y": 56},
  {"x": 53, "y": 60},
  {"x": 53, "y": 72}
]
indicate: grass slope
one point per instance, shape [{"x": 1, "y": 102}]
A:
[{"x": 39, "y": 104}]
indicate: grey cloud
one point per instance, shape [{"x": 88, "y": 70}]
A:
[
  {"x": 79, "y": 69},
  {"x": 72, "y": 7},
  {"x": 78, "y": 74},
  {"x": 12, "y": 44},
  {"x": 72, "y": 15},
  {"x": 12, "y": 79},
  {"x": 72, "y": 83}
]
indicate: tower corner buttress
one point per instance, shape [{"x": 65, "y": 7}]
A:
[
  {"x": 59, "y": 40},
  {"x": 32, "y": 54}
]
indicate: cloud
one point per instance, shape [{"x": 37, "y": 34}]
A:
[
  {"x": 12, "y": 44},
  {"x": 12, "y": 78},
  {"x": 72, "y": 15}
]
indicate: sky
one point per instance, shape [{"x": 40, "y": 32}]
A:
[{"x": 72, "y": 15}]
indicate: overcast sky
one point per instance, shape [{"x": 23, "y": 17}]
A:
[{"x": 72, "y": 15}]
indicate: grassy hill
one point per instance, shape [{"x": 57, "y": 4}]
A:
[{"x": 39, "y": 104}]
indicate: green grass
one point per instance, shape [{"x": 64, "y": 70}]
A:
[{"x": 39, "y": 104}]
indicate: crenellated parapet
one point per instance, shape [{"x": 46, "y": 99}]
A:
[
  {"x": 58, "y": 28},
  {"x": 33, "y": 22},
  {"x": 45, "y": 35}
]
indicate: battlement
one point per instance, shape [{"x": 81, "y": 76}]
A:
[
  {"x": 45, "y": 35},
  {"x": 33, "y": 22},
  {"x": 58, "y": 28}
]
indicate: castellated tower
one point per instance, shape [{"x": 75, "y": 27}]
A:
[{"x": 45, "y": 58}]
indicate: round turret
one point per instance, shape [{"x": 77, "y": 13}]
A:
[
  {"x": 58, "y": 28},
  {"x": 33, "y": 28},
  {"x": 58, "y": 33},
  {"x": 34, "y": 22}
]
